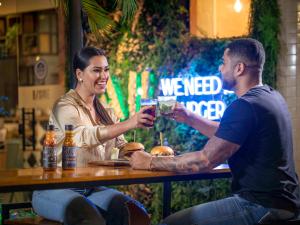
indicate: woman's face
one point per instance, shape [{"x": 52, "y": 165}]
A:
[{"x": 95, "y": 76}]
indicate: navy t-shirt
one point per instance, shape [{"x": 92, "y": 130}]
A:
[{"x": 263, "y": 168}]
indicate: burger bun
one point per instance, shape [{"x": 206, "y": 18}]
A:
[
  {"x": 129, "y": 148},
  {"x": 162, "y": 151}
]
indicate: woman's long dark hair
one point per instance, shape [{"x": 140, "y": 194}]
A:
[{"x": 81, "y": 60}]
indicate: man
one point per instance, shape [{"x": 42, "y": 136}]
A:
[{"x": 254, "y": 135}]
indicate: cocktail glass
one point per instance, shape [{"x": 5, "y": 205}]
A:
[{"x": 166, "y": 104}]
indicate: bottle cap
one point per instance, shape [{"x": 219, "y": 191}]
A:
[
  {"x": 50, "y": 127},
  {"x": 69, "y": 127}
]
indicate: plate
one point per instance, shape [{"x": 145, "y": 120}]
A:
[{"x": 115, "y": 162}]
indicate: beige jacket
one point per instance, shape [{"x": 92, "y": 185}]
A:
[{"x": 89, "y": 135}]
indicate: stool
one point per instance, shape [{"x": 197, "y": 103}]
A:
[
  {"x": 295, "y": 221},
  {"x": 31, "y": 221},
  {"x": 136, "y": 216},
  {"x": 23, "y": 221}
]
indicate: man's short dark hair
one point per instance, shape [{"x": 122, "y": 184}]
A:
[{"x": 248, "y": 50}]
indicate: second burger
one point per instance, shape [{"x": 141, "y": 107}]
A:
[
  {"x": 162, "y": 151},
  {"x": 129, "y": 148}
]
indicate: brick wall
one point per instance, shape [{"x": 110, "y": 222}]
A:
[{"x": 288, "y": 80}]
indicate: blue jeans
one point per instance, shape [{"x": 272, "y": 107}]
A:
[
  {"x": 229, "y": 211},
  {"x": 51, "y": 204}
]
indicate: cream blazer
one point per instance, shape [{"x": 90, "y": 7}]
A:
[{"x": 89, "y": 136}]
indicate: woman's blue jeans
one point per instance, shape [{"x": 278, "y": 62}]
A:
[
  {"x": 229, "y": 211},
  {"x": 51, "y": 204}
]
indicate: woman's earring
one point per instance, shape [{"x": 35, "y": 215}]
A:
[{"x": 80, "y": 80}]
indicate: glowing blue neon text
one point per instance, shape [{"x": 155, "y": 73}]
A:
[{"x": 200, "y": 94}]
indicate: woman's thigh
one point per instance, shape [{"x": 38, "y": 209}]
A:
[
  {"x": 51, "y": 204},
  {"x": 106, "y": 196},
  {"x": 229, "y": 211}
]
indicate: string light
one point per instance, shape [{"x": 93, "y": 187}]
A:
[{"x": 238, "y": 6}]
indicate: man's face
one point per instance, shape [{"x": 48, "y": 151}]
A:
[{"x": 227, "y": 71}]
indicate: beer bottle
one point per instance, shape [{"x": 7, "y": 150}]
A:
[
  {"x": 49, "y": 150},
  {"x": 69, "y": 149}
]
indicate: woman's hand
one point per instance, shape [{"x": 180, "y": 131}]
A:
[
  {"x": 142, "y": 119},
  {"x": 180, "y": 113}
]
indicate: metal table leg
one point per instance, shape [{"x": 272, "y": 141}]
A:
[{"x": 167, "y": 191}]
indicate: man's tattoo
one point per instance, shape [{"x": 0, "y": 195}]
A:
[{"x": 215, "y": 152}]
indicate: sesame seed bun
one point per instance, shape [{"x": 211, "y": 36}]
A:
[
  {"x": 129, "y": 148},
  {"x": 162, "y": 151}
]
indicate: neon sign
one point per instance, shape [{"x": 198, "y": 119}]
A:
[{"x": 200, "y": 94}]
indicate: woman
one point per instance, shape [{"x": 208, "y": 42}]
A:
[{"x": 96, "y": 132}]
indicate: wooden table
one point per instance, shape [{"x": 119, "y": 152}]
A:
[{"x": 36, "y": 179}]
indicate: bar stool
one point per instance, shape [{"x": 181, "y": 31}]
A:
[
  {"x": 295, "y": 221},
  {"x": 136, "y": 216},
  {"x": 31, "y": 221}
]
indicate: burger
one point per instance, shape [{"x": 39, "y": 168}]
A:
[
  {"x": 162, "y": 151},
  {"x": 129, "y": 148}
]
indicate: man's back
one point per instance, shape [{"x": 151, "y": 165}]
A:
[{"x": 263, "y": 168}]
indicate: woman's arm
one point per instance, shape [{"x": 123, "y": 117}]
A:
[{"x": 86, "y": 135}]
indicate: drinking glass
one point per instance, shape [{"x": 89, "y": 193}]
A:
[
  {"x": 151, "y": 111},
  {"x": 166, "y": 104}
]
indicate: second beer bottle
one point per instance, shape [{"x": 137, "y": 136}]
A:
[{"x": 69, "y": 149}]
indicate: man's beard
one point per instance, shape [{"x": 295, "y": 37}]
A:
[{"x": 228, "y": 84}]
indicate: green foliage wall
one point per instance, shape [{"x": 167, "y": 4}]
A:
[{"x": 264, "y": 26}]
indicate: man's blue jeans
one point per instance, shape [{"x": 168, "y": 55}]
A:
[
  {"x": 51, "y": 204},
  {"x": 229, "y": 211}
]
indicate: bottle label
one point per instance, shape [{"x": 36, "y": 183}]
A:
[
  {"x": 69, "y": 157},
  {"x": 49, "y": 157}
]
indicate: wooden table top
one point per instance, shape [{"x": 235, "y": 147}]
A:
[{"x": 37, "y": 178}]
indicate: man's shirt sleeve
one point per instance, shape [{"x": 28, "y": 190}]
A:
[{"x": 237, "y": 122}]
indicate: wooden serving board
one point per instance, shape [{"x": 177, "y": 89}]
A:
[{"x": 116, "y": 162}]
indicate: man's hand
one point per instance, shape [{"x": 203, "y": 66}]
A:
[
  {"x": 180, "y": 113},
  {"x": 140, "y": 160},
  {"x": 203, "y": 125}
]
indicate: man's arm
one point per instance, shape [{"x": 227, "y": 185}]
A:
[
  {"x": 203, "y": 125},
  {"x": 216, "y": 151}
]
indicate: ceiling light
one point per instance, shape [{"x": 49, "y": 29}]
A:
[{"x": 238, "y": 6}]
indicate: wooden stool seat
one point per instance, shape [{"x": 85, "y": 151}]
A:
[
  {"x": 136, "y": 217},
  {"x": 295, "y": 221},
  {"x": 31, "y": 221}
]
